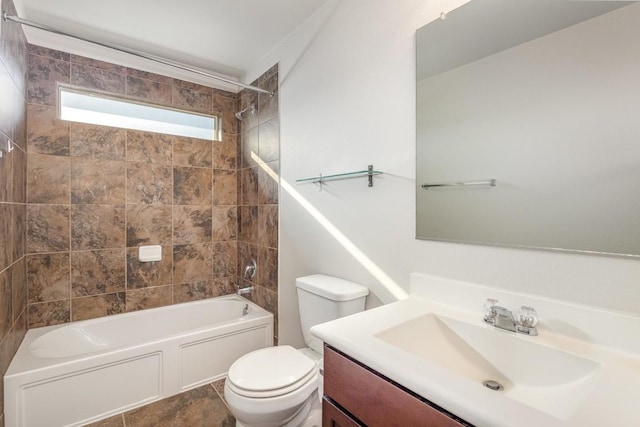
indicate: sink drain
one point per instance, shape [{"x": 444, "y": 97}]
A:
[{"x": 492, "y": 385}]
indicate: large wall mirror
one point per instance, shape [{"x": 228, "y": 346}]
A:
[{"x": 542, "y": 96}]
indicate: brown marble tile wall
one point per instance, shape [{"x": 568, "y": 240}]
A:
[
  {"x": 96, "y": 193},
  {"x": 13, "y": 172},
  {"x": 258, "y": 178}
]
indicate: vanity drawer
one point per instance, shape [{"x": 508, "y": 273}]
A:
[
  {"x": 373, "y": 399},
  {"x": 332, "y": 416}
]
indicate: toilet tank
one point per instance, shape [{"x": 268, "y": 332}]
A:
[{"x": 323, "y": 298}]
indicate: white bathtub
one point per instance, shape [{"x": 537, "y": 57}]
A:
[{"x": 81, "y": 372}]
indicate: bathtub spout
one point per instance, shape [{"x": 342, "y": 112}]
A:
[{"x": 245, "y": 290}]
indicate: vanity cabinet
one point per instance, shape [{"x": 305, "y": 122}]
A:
[
  {"x": 355, "y": 395},
  {"x": 332, "y": 416}
]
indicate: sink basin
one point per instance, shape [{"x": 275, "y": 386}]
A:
[{"x": 548, "y": 379}]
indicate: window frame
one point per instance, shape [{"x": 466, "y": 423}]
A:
[{"x": 217, "y": 131}]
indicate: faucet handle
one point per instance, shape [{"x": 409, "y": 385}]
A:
[
  {"x": 250, "y": 269},
  {"x": 489, "y": 310},
  {"x": 527, "y": 317}
]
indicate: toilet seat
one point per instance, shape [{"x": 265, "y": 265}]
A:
[{"x": 271, "y": 372}]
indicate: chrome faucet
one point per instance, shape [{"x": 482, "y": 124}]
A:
[
  {"x": 249, "y": 273},
  {"x": 245, "y": 290},
  {"x": 250, "y": 270},
  {"x": 502, "y": 318}
]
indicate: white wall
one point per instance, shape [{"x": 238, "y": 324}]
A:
[{"x": 347, "y": 100}]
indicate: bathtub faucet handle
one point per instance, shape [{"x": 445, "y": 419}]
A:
[{"x": 250, "y": 269}]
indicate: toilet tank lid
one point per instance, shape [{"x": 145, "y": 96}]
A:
[{"x": 332, "y": 288}]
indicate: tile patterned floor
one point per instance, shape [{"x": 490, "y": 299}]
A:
[{"x": 201, "y": 407}]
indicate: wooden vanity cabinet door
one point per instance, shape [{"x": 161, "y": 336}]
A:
[
  {"x": 332, "y": 416},
  {"x": 375, "y": 401}
]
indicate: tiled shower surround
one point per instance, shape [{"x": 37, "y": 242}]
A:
[
  {"x": 95, "y": 194},
  {"x": 75, "y": 208},
  {"x": 13, "y": 164},
  {"x": 258, "y": 171}
]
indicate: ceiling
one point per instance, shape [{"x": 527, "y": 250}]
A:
[{"x": 224, "y": 36}]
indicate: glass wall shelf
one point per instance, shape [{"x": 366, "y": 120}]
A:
[{"x": 320, "y": 179}]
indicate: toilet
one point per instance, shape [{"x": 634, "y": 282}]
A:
[{"x": 282, "y": 386}]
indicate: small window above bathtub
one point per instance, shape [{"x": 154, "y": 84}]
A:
[{"x": 78, "y": 105}]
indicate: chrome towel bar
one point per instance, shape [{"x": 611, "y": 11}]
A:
[{"x": 491, "y": 182}]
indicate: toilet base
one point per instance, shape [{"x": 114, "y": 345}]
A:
[
  {"x": 313, "y": 414},
  {"x": 314, "y": 419},
  {"x": 310, "y": 415}
]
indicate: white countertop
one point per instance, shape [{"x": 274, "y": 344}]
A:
[{"x": 612, "y": 398}]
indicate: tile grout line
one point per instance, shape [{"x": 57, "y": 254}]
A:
[{"x": 221, "y": 395}]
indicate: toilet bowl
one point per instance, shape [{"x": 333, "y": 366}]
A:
[
  {"x": 274, "y": 387},
  {"x": 281, "y": 386}
]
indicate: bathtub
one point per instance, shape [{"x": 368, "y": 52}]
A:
[{"x": 80, "y": 372}]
